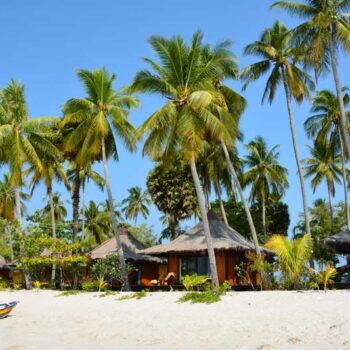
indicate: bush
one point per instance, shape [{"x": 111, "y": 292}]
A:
[
  {"x": 90, "y": 286},
  {"x": 195, "y": 282},
  {"x": 137, "y": 295},
  {"x": 18, "y": 280},
  {"x": 208, "y": 296},
  {"x": 3, "y": 283}
]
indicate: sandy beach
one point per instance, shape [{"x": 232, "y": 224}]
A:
[{"x": 249, "y": 320}]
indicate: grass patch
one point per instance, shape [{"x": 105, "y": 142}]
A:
[
  {"x": 67, "y": 293},
  {"x": 106, "y": 293},
  {"x": 206, "y": 297},
  {"x": 137, "y": 295}
]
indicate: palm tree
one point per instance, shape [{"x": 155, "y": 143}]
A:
[
  {"x": 84, "y": 174},
  {"x": 184, "y": 78},
  {"x": 97, "y": 223},
  {"x": 291, "y": 254},
  {"x": 325, "y": 125},
  {"x": 324, "y": 164},
  {"x": 26, "y": 140},
  {"x": 326, "y": 28},
  {"x": 60, "y": 211},
  {"x": 279, "y": 56},
  {"x": 100, "y": 118},
  {"x": 265, "y": 174},
  {"x": 7, "y": 206},
  {"x": 136, "y": 203}
]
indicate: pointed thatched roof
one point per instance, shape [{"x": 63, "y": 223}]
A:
[
  {"x": 339, "y": 242},
  {"x": 131, "y": 246},
  {"x": 224, "y": 238}
]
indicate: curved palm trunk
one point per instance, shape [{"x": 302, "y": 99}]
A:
[
  {"x": 222, "y": 208},
  {"x": 343, "y": 123},
  {"x": 345, "y": 181},
  {"x": 264, "y": 217},
  {"x": 236, "y": 184},
  {"x": 27, "y": 278},
  {"x": 114, "y": 222},
  {"x": 211, "y": 253},
  {"x": 296, "y": 152},
  {"x": 53, "y": 226},
  {"x": 76, "y": 199}
]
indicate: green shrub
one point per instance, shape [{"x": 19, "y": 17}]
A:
[
  {"x": 90, "y": 286},
  {"x": 207, "y": 296},
  {"x": 195, "y": 282},
  {"x": 225, "y": 287},
  {"x": 3, "y": 283},
  {"x": 137, "y": 295},
  {"x": 67, "y": 293}
]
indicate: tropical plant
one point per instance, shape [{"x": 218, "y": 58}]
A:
[
  {"x": 326, "y": 29},
  {"x": 324, "y": 164},
  {"x": 324, "y": 125},
  {"x": 100, "y": 117},
  {"x": 136, "y": 203},
  {"x": 26, "y": 139},
  {"x": 144, "y": 234},
  {"x": 97, "y": 225},
  {"x": 326, "y": 277},
  {"x": 185, "y": 78},
  {"x": 281, "y": 57},
  {"x": 292, "y": 255},
  {"x": 267, "y": 177},
  {"x": 172, "y": 191}
]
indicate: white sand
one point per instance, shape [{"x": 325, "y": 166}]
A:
[{"x": 246, "y": 320}]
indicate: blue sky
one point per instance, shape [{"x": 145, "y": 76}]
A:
[{"x": 44, "y": 42}]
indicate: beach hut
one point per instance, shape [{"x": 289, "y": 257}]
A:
[
  {"x": 147, "y": 267},
  {"x": 188, "y": 254}
]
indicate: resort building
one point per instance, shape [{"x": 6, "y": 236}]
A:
[{"x": 188, "y": 253}]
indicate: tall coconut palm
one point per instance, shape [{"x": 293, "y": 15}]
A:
[
  {"x": 324, "y": 124},
  {"x": 265, "y": 174},
  {"x": 101, "y": 117},
  {"x": 324, "y": 164},
  {"x": 98, "y": 222},
  {"x": 60, "y": 210},
  {"x": 53, "y": 170},
  {"x": 280, "y": 60},
  {"x": 136, "y": 203},
  {"x": 184, "y": 78},
  {"x": 26, "y": 140},
  {"x": 85, "y": 174},
  {"x": 7, "y": 206},
  {"x": 326, "y": 29}
]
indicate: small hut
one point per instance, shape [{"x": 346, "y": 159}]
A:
[
  {"x": 147, "y": 267},
  {"x": 188, "y": 253}
]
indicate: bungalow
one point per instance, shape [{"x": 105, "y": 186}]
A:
[
  {"x": 147, "y": 267},
  {"x": 188, "y": 253}
]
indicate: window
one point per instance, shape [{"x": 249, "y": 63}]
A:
[{"x": 194, "y": 264}]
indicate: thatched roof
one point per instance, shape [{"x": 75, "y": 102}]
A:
[
  {"x": 224, "y": 238},
  {"x": 2, "y": 262},
  {"x": 131, "y": 247},
  {"x": 339, "y": 242}
]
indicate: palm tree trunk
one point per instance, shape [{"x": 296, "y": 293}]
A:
[
  {"x": 343, "y": 122},
  {"x": 222, "y": 208},
  {"x": 9, "y": 233},
  {"x": 114, "y": 221},
  {"x": 236, "y": 184},
  {"x": 75, "y": 197},
  {"x": 208, "y": 238},
  {"x": 345, "y": 181},
  {"x": 27, "y": 278},
  {"x": 207, "y": 201},
  {"x": 330, "y": 205},
  {"x": 53, "y": 225},
  {"x": 296, "y": 152},
  {"x": 264, "y": 217},
  {"x": 83, "y": 214}
]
